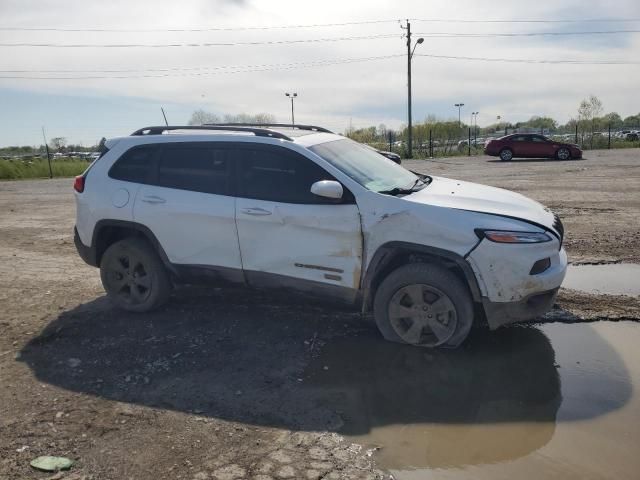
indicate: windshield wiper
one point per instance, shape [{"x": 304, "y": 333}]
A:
[{"x": 405, "y": 191}]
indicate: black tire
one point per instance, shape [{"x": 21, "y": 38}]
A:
[
  {"x": 506, "y": 155},
  {"x": 436, "y": 285},
  {"x": 563, "y": 154},
  {"x": 133, "y": 276}
]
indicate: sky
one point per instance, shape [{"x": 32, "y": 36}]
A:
[{"x": 85, "y": 69}]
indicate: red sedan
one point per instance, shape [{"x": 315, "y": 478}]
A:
[{"x": 527, "y": 145}]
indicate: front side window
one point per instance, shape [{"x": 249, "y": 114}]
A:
[
  {"x": 367, "y": 167},
  {"x": 540, "y": 139},
  {"x": 278, "y": 175}
]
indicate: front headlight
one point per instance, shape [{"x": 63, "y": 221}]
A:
[{"x": 501, "y": 236}]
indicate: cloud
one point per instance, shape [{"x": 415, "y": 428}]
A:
[{"x": 361, "y": 93}]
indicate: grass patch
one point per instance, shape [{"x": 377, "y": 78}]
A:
[{"x": 38, "y": 168}]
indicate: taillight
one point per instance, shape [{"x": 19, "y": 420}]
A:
[{"x": 78, "y": 184}]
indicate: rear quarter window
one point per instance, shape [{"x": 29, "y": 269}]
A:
[{"x": 135, "y": 165}]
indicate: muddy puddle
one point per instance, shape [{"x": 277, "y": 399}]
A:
[
  {"x": 555, "y": 400},
  {"x": 611, "y": 279}
]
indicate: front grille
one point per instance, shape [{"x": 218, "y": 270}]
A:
[{"x": 557, "y": 225}]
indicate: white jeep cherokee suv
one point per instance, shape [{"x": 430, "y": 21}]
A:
[{"x": 310, "y": 210}]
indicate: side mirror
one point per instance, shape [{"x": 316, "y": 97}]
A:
[{"x": 327, "y": 189}]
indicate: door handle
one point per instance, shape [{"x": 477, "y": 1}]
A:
[
  {"x": 153, "y": 199},
  {"x": 256, "y": 211}
]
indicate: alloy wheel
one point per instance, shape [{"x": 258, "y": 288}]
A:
[
  {"x": 128, "y": 278},
  {"x": 422, "y": 315}
]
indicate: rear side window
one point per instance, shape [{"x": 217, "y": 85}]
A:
[
  {"x": 135, "y": 165},
  {"x": 195, "y": 168},
  {"x": 277, "y": 175}
]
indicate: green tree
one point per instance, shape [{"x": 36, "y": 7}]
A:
[
  {"x": 613, "y": 119},
  {"x": 58, "y": 143},
  {"x": 632, "y": 121},
  {"x": 546, "y": 123},
  {"x": 588, "y": 112}
]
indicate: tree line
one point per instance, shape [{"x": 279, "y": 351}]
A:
[
  {"x": 445, "y": 133},
  {"x": 589, "y": 119}
]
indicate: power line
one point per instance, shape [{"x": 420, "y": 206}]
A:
[
  {"x": 314, "y": 40},
  {"x": 206, "y": 68},
  {"x": 235, "y": 69},
  {"x": 521, "y": 34},
  {"x": 532, "y": 61},
  {"x": 201, "y": 29},
  {"x": 204, "y": 44},
  {"x": 584, "y": 20},
  {"x": 224, "y": 70},
  {"x": 313, "y": 25}
]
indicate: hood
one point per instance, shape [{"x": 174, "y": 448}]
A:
[{"x": 444, "y": 192}]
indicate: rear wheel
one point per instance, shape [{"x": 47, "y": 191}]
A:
[
  {"x": 133, "y": 276},
  {"x": 506, "y": 155},
  {"x": 423, "y": 305},
  {"x": 563, "y": 154}
]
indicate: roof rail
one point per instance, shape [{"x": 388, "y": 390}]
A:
[
  {"x": 270, "y": 125},
  {"x": 258, "y": 132}
]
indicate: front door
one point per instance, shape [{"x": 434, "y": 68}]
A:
[
  {"x": 289, "y": 236},
  {"x": 541, "y": 147}
]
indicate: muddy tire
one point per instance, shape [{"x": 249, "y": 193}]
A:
[
  {"x": 506, "y": 155},
  {"x": 133, "y": 276},
  {"x": 423, "y": 305}
]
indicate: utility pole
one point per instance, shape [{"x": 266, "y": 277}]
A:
[
  {"x": 46, "y": 146},
  {"x": 409, "y": 116},
  {"x": 292, "y": 96}
]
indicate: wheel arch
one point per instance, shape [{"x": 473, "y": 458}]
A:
[
  {"x": 393, "y": 255},
  {"x": 107, "y": 232}
]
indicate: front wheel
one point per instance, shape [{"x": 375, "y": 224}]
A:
[
  {"x": 133, "y": 276},
  {"x": 506, "y": 155},
  {"x": 423, "y": 305},
  {"x": 563, "y": 154}
]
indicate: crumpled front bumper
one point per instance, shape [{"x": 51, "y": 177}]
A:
[
  {"x": 510, "y": 292},
  {"x": 529, "y": 308}
]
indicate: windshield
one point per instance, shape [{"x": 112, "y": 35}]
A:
[{"x": 367, "y": 167}]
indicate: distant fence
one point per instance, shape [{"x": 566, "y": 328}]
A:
[{"x": 470, "y": 142}]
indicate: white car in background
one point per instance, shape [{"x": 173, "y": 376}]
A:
[{"x": 304, "y": 209}]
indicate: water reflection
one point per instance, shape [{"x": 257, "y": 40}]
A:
[
  {"x": 494, "y": 400},
  {"x": 611, "y": 279}
]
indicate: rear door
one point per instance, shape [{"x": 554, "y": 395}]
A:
[
  {"x": 189, "y": 205},
  {"x": 287, "y": 233}
]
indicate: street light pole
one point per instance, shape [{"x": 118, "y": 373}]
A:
[
  {"x": 459, "y": 105},
  {"x": 474, "y": 123},
  {"x": 409, "y": 116},
  {"x": 292, "y": 96}
]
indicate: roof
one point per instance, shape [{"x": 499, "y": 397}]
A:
[{"x": 305, "y": 135}]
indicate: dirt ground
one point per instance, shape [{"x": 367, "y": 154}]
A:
[{"x": 224, "y": 384}]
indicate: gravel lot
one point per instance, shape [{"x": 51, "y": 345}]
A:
[{"x": 227, "y": 384}]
